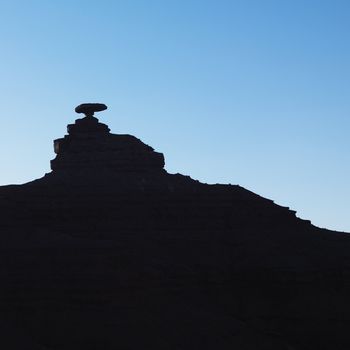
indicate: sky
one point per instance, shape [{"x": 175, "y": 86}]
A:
[{"x": 248, "y": 92}]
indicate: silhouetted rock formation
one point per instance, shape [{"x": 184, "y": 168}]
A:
[
  {"x": 109, "y": 251},
  {"x": 90, "y": 147}
]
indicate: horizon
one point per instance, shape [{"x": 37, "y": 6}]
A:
[{"x": 230, "y": 92}]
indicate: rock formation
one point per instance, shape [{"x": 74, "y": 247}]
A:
[
  {"x": 91, "y": 147},
  {"x": 109, "y": 251}
]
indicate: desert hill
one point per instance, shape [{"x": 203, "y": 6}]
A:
[{"x": 109, "y": 251}]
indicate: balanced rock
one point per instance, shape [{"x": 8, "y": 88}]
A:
[
  {"x": 89, "y": 145},
  {"x": 90, "y": 108}
]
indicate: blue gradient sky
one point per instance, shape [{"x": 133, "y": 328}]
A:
[{"x": 252, "y": 92}]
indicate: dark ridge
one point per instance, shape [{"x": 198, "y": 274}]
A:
[{"x": 109, "y": 251}]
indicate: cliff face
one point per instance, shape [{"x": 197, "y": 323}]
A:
[{"x": 109, "y": 251}]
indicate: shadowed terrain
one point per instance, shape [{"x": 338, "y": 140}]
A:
[{"x": 109, "y": 251}]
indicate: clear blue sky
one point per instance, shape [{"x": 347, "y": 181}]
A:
[{"x": 249, "y": 92}]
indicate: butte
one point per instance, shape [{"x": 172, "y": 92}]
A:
[{"x": 110, "y": 251}]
